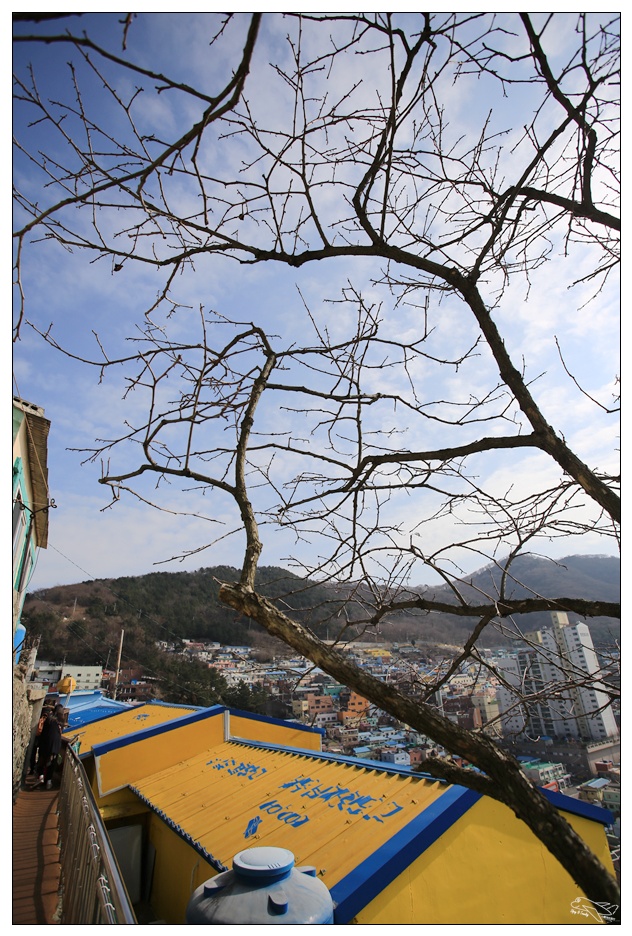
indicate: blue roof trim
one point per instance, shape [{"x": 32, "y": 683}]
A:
[
  {"x": 81, "y": 718},
  {"x": 214, "y": 862},
  {"x": 153, "y": 730},
  {"x": 374, "y": 874},
  {"x": 277, "y": 721},
  {"x": 382, "y": 766},
  {"x": 578, "y": 807}
]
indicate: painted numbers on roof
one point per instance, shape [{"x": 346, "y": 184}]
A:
[{"x": 236, "y": 768}]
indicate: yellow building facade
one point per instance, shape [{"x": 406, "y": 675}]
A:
[{"x": 393, "y": 847}]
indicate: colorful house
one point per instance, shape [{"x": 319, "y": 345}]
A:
[
  {"x": 30, "y": 496},
  {"x": 31, "y": 504},
  {"x": 181, "y": 796}
]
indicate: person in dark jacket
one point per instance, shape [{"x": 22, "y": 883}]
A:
[
  {"x": 50, "y": 746},
  {"x": 46, "y": 711}
]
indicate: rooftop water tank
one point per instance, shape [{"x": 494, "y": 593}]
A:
[{"x": 263, "y": 887}]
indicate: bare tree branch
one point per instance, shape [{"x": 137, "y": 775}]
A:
[{"x": 440, "y": 165}]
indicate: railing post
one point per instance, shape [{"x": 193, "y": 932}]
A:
[{"x": 93, "y": 890}]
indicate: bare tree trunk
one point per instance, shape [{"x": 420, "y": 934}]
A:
[
  {"x": 503, "y": 780},
  {"x": 402, "y": 434}
]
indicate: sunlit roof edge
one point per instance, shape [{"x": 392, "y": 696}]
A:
[
  {"x": 381, "y": 766},
  {"x": 577, "y": 807},
  {"x": 284, "y": 722},
  {"x": 151, "y": 731}
]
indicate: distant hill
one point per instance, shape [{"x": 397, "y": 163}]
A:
[
  {"x": 82, "y": 622},
  {"x": 596, "y": 578},
  {"x": 159, "y": 606}
]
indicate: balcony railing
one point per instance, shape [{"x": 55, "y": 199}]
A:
[{"x": 93, "y": 890}]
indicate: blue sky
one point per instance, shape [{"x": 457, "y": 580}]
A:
[{"x": 78, "y": 296}]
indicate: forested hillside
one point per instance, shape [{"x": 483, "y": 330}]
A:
[
  {"x": 163, "y": 606},
  {"x": 82, "y": 622}
]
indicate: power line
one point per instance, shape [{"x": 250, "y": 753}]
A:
[
  {"x": 122, "y": 598},
  {"x": 71, "y": 561},
  {"x": 169, "y": 681}
]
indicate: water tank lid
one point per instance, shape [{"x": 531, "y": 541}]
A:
[{"x": 264, "y": 862}]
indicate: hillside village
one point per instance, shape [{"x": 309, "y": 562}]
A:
[
  {"x": 296, "y": 691},
  {"x": 67, "y": 642}
]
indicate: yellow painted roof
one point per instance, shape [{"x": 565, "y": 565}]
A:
[
  {"x": 361, "y": 825},
  {"x": 328, "y": 813},
  {"x": 126, "y": 723}
]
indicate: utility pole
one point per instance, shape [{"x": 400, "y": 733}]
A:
[{"x": 118, "y": 663}]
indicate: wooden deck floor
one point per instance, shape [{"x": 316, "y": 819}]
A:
[{"x": 35, "y": 856}]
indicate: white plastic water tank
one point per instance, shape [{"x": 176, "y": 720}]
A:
[{"x": 263, "y": 887}]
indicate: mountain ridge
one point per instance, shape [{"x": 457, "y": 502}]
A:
[{"x": 171, "y": 606}]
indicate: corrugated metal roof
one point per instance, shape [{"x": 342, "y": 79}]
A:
[
  {"x": 85, "y": 716},
  {"x": 596, "y": 784},
  {"x": 89, "y": 705},
  {"x": 121, "y": 725},
  {"x": 359, "y": 823},
  {"x": 330, "y": 814}
]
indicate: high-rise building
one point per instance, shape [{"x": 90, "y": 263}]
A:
[{"x": 553, "y": 687}]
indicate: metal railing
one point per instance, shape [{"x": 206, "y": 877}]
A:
[{"x": 93, "y": 890}]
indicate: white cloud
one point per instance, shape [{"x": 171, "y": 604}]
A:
[{"x": 79, "y": 297}]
